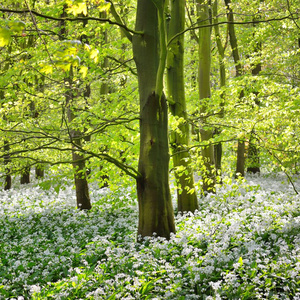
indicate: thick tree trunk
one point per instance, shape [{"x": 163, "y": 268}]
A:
[
  {"x": 186, "y": 194},
  {"x": 208, "y": 168},
  {"x": 155, "y": 206}
]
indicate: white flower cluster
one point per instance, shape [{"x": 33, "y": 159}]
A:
[{"x": 245, "y": 240}]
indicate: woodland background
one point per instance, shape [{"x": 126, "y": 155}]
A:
[{"x": 130, "y": 96}]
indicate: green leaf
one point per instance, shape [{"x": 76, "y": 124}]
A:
[
  {"x": 240, "y": 261},
  {"x": 5, "y": 37},
  {"x": 16, "y": 26}
]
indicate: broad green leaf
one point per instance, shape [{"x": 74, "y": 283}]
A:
[
  {"x": 47, "y": 69},
  {"x": 16, "y": 26},
  {"x": 94, "y": 55},
  {"x": 5, "y": 37}
]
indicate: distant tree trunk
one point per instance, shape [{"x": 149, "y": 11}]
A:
[
  {"x": 39, "y": 172},
  {"x": 155, "y": 205},
  {"x": 221, "y": 50},
  {"x": 80, "y": 176},
  {"x": 208, "y": 168},
  {"x": 7, "y": 180},
  {"x": 186, "y": 194},
  {"x": 25, "y": 176},
  {"x": 253, "y": 150},
  {"x": 240, "y": 164}
]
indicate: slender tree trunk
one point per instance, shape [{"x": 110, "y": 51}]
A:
[
  {"x": 80, "y": 176},
  {"x": 186, "y": 194},
  {"x": 240, "y": 164},
  {"x": 155, "y": 206},
  {"x": 253, "y": 160},
  {"x": 6, "y": 148},
  {"x": 221, "y": 50},
  {"x": 208, "y": 168},
  {"x": 7, "y": 160}
]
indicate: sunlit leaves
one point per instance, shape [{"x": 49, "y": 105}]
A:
[
  {"x": 77, "y": 7},
  {"x": 102, "y": 5},
  {"x": 5, "y": 37},
  {"x": 83, "y": 70},
  {"x": 16, "y": 26}
]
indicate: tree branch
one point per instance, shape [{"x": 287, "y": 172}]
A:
[{"x": 103, "y": 20}]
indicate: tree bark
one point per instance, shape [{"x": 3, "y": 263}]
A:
[
  {"x": 155, "y": 206},
  {"x": 240, "y": 163},
  {"x": 206, "y": 133},
  {"x": 25, "y": 176},
  {"x": 221, "y": 50},
  {"x": 80, "y": 176},
  {"x": 39, "y": 172},
  {"x": 253, "y": 150},
  {"x": 186, "y": 194}
]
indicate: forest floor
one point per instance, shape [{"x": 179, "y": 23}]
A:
[{"x": 243, "y": 243}]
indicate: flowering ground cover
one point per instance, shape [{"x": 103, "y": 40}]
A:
[{"x": 243, "y": 243}]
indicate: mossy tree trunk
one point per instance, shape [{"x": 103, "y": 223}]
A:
[
  {"x": 155, "y": 206},
  {"x": 186, "y": 194},
  {"x": 206, "y": 132}
]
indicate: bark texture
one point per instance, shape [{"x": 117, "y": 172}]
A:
[{"x": 155, "y": 206}]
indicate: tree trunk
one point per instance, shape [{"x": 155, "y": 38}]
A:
[
  {"x": 39, "y": 172},
  {"x": 25, "y": 176},
  {"x": 240, "y": 163},
  {"x": 253, "y": 150},
  {"x": 221, "y": 50},
  {"x": 80, "y": 176},
  {"x": 7, "y": 180},
  {"x": 206, "y": 133},
  {"x": 186, "y": 194},
  {"x": 155, "y": 206}
]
